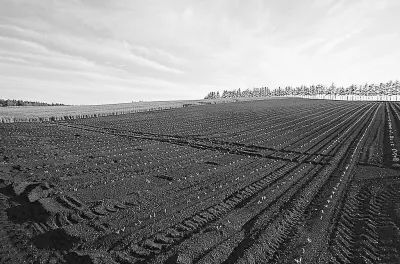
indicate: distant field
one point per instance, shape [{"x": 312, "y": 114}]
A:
[{"x": 53, "y": 113}]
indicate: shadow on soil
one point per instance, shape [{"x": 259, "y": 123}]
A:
[{"x": 54, "y": 239}]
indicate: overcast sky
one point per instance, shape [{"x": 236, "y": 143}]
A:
[{"x": 108, "y": 51}]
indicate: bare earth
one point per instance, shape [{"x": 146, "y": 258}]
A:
[{"x": 267, "y": 181}]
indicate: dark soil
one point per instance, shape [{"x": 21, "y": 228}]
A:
[{"x": 274, "y": 181}]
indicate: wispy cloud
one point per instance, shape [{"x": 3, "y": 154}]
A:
[
  {"x": 181, "y": 49},
  {"x": 96, "y": 50}
]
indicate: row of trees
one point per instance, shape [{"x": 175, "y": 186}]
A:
[
  {"x": 8, "y": 102},
  {"x": 389, "y": 88}
]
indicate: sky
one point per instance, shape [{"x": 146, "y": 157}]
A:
[{"x": 112, "y": 51}]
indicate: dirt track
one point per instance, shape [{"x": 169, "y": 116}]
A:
[{"x": 275, "y": 181}]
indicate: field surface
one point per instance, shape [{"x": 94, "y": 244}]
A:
[
  {"x": 56, "y": 113},
  {"x": 268, "y": 181}
]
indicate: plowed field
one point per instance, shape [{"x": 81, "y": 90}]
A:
[{"x": 269, "y": 181}]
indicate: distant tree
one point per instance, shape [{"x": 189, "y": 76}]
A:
[
  {"x": 388, "y": 88},
  {"x": 12, "y": 102}
]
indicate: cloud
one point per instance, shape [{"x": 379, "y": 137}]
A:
[
  {"x": 181, "y": 49},
  {"x": 76, "y": 87},
  {"x": 96, "y": 50}
]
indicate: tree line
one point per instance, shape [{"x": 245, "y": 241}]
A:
[
  {"x": 13, "y": 102},
  {"x": 389, "y": 88}
]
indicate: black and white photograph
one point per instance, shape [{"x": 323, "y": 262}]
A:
[{"x": 200, "y": 132}]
